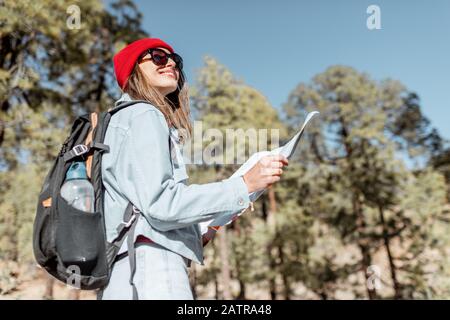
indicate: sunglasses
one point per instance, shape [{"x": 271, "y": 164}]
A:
[{"x": 160, "y": 57}]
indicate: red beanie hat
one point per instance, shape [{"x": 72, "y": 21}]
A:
[{"x": 125, "y": 59}]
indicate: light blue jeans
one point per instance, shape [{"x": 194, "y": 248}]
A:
[{"x": 161, "y": 274}]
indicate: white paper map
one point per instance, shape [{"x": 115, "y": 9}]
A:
[{"x": 287, "y": 150}]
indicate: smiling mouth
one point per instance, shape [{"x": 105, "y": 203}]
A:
[{"x": 170, "y": 74}]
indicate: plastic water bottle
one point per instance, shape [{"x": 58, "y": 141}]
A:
[{"x": 77, "y": 190}]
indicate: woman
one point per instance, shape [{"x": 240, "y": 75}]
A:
[{"x": 145, "y": 167}]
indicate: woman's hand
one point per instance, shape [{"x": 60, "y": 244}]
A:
[{"x": 265, "y": 172}]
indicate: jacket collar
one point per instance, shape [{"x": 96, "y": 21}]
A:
[{"x": 124, "y": 98}]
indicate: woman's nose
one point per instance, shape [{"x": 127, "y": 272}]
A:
[{"x": 171, "y": 63}]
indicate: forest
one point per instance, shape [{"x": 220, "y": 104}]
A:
[{"x": 362, "y": 211}]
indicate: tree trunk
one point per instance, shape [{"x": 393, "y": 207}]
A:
[
  {"x": 216, "y": 289},
  {"x": 225, "y": 264},
  {"x": 364, "y": 246},
  {"x": 272, "y": 282},
  {"x": 242, "y": 291},
  {"x": 216, "y": 275},
  {"x": 270, "y": 222},
  {"x": 223, "y": 252},
  {"x": 395, "y": 283},
  {"x": 287, "y": 287},
  {"x": 273, "y": 210},
  {"x": 242, "y": 286},
  {"x": 273, "y": 207},
  {"x": 366, "y": 263}
]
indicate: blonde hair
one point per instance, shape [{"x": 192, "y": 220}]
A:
[{"x": 174, "y": 106}]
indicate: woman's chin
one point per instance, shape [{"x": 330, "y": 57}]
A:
[
  {"x": 167, "y": 89},
  {"x": 166, "y": 86},
  {"x": 169, "y": 83}
]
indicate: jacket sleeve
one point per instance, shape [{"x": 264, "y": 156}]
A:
[{"x": 145, "y": 177}]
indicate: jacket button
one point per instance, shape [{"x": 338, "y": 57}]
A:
[{"x": 241, "y": 201}]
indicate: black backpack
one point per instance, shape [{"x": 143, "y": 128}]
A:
[{"x": 71, "y": 244}]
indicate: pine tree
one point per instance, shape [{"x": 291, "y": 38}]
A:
[
  {"x": 50, "y": 73},
  {"x": 363, "y": 128},
  {"x": 224, "y": 102}
]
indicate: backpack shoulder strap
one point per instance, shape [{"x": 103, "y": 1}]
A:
[
  {"x": 121, "y": 106},
  {"x": 126, "y": 230}
]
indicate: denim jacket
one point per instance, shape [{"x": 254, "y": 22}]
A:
[{"x": 142, "y": 168}]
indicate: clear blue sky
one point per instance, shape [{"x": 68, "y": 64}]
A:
[{"x": 248, "y": 36}]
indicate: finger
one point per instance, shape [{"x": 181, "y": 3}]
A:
[
  {"x": 281, "y": 158},
  {"x": 273, "y": 168},
  {"x": 269, "y": 171},
  {"x": 265, "y": 171},
  {"x": 277, "y": 172},
  {"x": 266, "y": 160},
  {"x": 276, "y": 164},
  {"x": 285, "y": 161},
  {"x": 274, "y": 161},
  {"x": 274, "y": 179}
]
